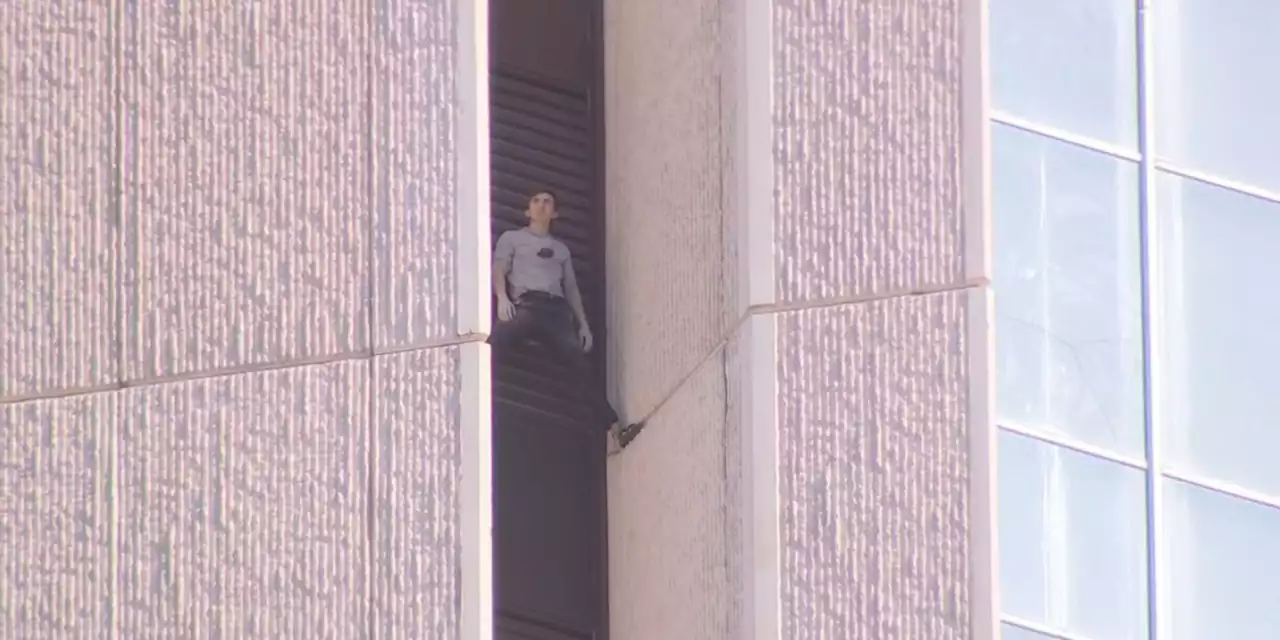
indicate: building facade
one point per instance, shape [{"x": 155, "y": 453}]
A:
[
  {"x": 245, "y": 271},
  {"x": 1134, "y": 197}
]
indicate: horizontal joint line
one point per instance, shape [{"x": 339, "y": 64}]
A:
[
  {"x": 757, "y": 310},
  {"x": 208, "y": 374},
  {"x": 875, "y": 296}
]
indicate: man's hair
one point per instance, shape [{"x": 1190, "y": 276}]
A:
[{"x": 555, "y": 199}]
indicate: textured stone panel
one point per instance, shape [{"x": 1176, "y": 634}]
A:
[
  {"x": 247, "y": 190},
  {"x": 417, "y": 576},
  {"x": 415, "y": 233},
  {"x": 669, "y": 545},
  {"x": 867, "y": 146},
  {"x": 873, "y": 442},
  {"x": 665, "y": 246},
  {"x": 55, "y": 572},
  {"x": 735, "y": 503},
  {"x": 58, "y": 230},
  {"x": 242, "y": 506},
  {"x": 730, "y": 66}
]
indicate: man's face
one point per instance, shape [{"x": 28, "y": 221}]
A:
[{"x": 542, "y": 208}]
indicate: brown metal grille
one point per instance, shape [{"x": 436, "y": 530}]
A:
[{"x": 549, "y": 470}]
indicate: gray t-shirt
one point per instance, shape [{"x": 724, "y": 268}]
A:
[{"x": 534, "y": 262}]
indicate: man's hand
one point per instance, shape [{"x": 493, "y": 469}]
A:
[
  {"x": 506, "y": 309},
  {"x": 584, "y": 336}
]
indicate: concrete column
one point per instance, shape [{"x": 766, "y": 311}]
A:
[
  {"x": 243, "y": 389},
  {"x": 866, "y": 427},
  {"x": 798, "y": 300},
  {"x": 671, "y": 526}
]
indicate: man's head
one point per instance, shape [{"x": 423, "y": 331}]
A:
[{"x": 542, "y": 207}]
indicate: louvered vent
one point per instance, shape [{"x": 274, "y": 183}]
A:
[{"x": 541, "y": 139}]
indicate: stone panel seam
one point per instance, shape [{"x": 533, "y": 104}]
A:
[
  {"x": 115, "y": 39},
  {"x": 761, "y": 481},
  {"x": 723, "y": 161},
  {"x": 371, "y": 286},
  {"x": 242, "y": 369},
  {"x": 975, "y": 143},
  {"x": 816, "y": 303},
  {"x": 984, "y": 524},
  {"x": 370, "y": 498},
  {"x": 975, "y": 149},
  {"x": 836, "y": 301},
  {"x": 475, "y": 493},
  {"x": 112, "y": 446},
  {"x": 758, "y": 184},
  {"x": 730, "y": 504},
  {"x": 472, "y": 304},
  {"x": 472, "y": 253}
]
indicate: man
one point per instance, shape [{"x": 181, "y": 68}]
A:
[{"x": 538, "y": 296}]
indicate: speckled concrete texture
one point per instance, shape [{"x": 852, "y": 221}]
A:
[
  {"x": 867, "y": 147},
  {"x": 242, "y": 506},
  {"x": 674, "y": 551},
  {"x": 736, "y": 565},
  {"x": 58, "y": 237},
  {"x": 665, "y": 246},
  {"x": 415, "y": 234},
  {"x": 668, "y": 537},
  {"x": 55, "y": 517},
  {"x": 728, "y": 77},
  {"x": 873, "y": 402},
  {"x": 198, "y": 199},
  {"x": 874, "y": 399},
  {"x": 246, "y": 196},
  {"x": 416, "y": 506}
]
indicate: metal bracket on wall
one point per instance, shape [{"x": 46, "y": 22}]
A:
[{"x": 629, "y": 433}]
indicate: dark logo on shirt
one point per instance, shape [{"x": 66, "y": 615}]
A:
[{"x": 546, "y": 252}]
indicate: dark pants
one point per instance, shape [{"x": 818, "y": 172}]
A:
[{"x": 549, "y": 319}]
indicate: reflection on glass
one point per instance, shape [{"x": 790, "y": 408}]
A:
[
  {"x": 1072, "y": 541},
  {"x": 1219, "y": 333},
  {"x": 1069, "y": 64},
  {"x": 1068, "y": 291},
  {"x": 1224, "y": 563},
  {"x": 1010, "y": 632},
  {"x": 1216, "y": 94}
]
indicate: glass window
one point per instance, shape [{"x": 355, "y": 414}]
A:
[
  {"x": 1068, "y": 291},
  {"x": 1069, "y": 64},
  {"x": 1215, "y": 107},
  {"x": 1219, "y": 333},
  {"x": 1072, "y": 541},
  {"x": 1224, "y": 563},
  {"x": 1010, "y": 632}
]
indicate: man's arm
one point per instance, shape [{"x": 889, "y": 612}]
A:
[
  {"x": 502, "y": 255},
  {"x": 573, "y": 295},
  {"x": 500, "y": 281}
]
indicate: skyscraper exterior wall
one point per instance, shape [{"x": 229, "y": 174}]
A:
[
  {"x": 242, "y": 346},
  {"x": 799, "y": 305},
  {"x": 229, "y": 386},
  {"x": 1135, "y": 219}
]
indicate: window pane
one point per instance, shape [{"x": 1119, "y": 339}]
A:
[
  {"x": 1067, "y": 286},
  {"x": 1219, "y": 341},
  {"x": 1069, "y": 64},
  {"x": 1072, "y": 541},
  {"x": 1010, "y": 632},
  {"x": 1215, "y": 106},
  {"x": 1225, "y": 560}
]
